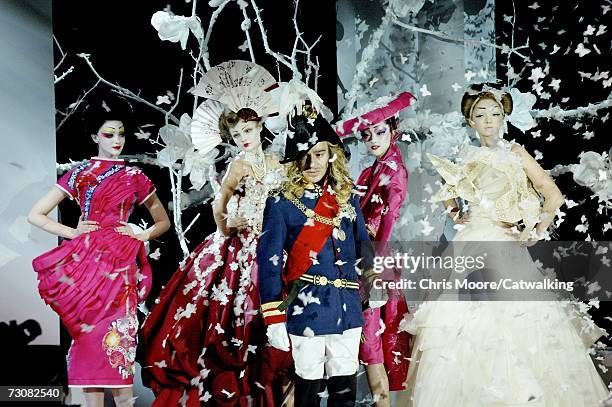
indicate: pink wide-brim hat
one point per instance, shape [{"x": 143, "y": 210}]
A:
[{"x": 376, "y": 115}]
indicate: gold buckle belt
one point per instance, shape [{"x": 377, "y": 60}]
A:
[{"x": 322, "y": 280}]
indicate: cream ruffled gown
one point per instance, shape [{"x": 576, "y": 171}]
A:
[{"x": 500, "y": 353}]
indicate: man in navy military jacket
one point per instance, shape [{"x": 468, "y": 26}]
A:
[{"x": 316, "y": 220}]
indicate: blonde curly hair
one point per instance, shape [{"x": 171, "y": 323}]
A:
[{"x": 337, "y": 173}]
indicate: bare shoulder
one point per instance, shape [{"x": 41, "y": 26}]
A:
[
  {"x": 236, "y": 170},
  {"x": 517, "y": 148},
  {"x": 238, "y": 166},
  {"x": 521, "y": 152}
]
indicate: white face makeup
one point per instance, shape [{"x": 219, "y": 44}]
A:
[
  {"x": 378, "y": 139},
  {"x": 487, "y": 118},
  {"x": 246, "y": 135},
  {"x": 110, "y": 139},
  {"x": 314, "y": 164}
]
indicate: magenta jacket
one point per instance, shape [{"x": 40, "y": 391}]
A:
[{"x": 387, "y": 182}]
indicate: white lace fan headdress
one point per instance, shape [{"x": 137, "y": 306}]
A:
[
  {"x": 205, "y": 133},
  {"x": 239, "y": 85}
]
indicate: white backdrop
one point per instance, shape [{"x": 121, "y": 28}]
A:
[{"x": 27, "y": 157}]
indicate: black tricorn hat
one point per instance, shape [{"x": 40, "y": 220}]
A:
[{"x": 305, "y": 130}]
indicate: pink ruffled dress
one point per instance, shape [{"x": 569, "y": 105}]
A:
[
  {"x": 387, "y": 182},
  {"x": 95, "y": 281}
]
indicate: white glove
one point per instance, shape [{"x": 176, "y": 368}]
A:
[
  {"x": 376, "y": 304},
  {"x": 378, "y": 297},
  {"x": 277, "y": 336}
]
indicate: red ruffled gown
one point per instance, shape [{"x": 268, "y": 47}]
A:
[
  {"x": 205, "y": 341},
  {"x": 95, "y": 281},
  {"x": 387, "y": 183}
]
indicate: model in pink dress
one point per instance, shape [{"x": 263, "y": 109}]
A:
[
  {"x": 384, "y": 350},
  {"x": 95, "y": 279}
]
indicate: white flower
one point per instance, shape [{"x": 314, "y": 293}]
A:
[
  {"x": 177, "y": 140},
  {"x": 595, "y": 171},
  {"x": 173, "y": 28},
  {"x": 587, "y": 172},
  {"x": 521, "y": 112},
  {"x": 198, "y": 167}
]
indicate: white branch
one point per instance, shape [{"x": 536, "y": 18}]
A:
[
  {"x": 62, "y": 76},
  {"x": 264, "y": 37},
  {"x": 246, "y": 25},
  {"x": 126, "y": 92},
  {"x": 211, "y": 23},
  {"x": 61, "y": 52},
  {"x": 461, "y": 40},
  {"x": 75, "y": 105},
  {"x": 316, "y": 68},
  {"x": 307, "y": 48},
  {"x": 508, "y": 65},
  {"x": 191, "y": 224},
  {"x": 560, "y": 169},
  {"x": 178, "y": 96},
  {"x": 176, "y": 212},
  {"x": 557, "y": 113}
]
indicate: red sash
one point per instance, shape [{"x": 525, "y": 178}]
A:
[{"x": 311, "y": 238}]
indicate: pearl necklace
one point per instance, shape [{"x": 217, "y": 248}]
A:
[{"x": 257, "y": 160}]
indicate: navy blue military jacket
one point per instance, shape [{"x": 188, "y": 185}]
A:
[{"x": 318, "y": 310}]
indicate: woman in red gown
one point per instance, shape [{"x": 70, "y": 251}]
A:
[{"x": 205, "y": 341}]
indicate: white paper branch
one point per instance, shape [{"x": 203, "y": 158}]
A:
[
  {"x": 443, "y": 36},
  {"x": 126, "y": 92},
  {"x": 264, "y": 36},
  {"x": 557, "y": 113},
  {"x": 75, "y": 105}
]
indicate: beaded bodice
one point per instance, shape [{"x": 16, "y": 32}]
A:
[
  {"x": 493, "y": 182},
  {"x": 251, "y": 204}
]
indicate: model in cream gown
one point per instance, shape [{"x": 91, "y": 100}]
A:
[{"x": 500, "y": 353}]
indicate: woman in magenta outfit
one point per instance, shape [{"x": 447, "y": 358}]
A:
[
  {"x": 95, "y": 279},
  {"x": 385, "y": 354}
]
